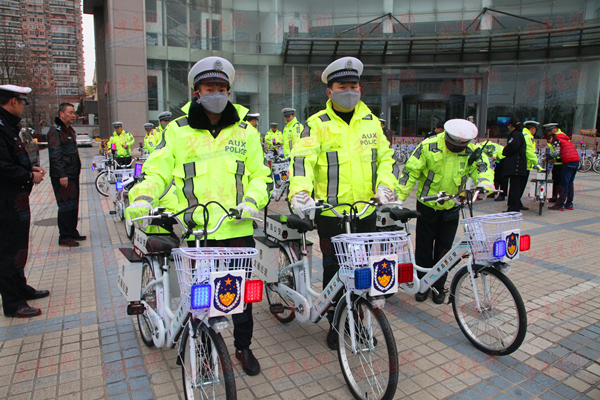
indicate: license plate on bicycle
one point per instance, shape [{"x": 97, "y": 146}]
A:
[
  {"x": 227, "y": 293},
  {"x": 384, "y": 270}
]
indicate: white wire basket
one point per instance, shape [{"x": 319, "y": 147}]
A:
[
  {"x": 279, "y": 167},
  {"x": 484, "y": 230},
  {"x": 99, "y": 162},
  {"x": 354, "y": 250},
  {"x": 123, "y": 174},
  {"x": 194, "y": 264}
]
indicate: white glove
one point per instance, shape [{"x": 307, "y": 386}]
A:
[
  {"x": 385, "y": 195},
  {"x": 489, "y": 187},
  {"x": 139, "y": 208},
  {"x": 247, "y": 210},
  {"x": 301, "y": 201}
]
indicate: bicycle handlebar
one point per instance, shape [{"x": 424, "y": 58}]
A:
[
  {"x": 459, "y": 197},
  {"x": 160, "y": 213}
]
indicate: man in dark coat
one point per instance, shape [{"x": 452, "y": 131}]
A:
[
  {"x": 17, "y": 177},
  {"x": 65, "y": 167},
  {"x": 515, "y": 164}
]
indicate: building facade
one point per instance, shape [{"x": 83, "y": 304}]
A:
[{"x": 425, "y": 60}]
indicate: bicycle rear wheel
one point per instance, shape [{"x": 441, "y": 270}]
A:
[
  {"x": 500, "y": 327},
  {"x": 371, "y": 372},
  {"x": 102, "y": 183},
  {"x": 596, "y": 166},
  {"x": 207, "y": 358},
  {"x": 146, "y": 327},
  {"x": 273, "y": 296}
]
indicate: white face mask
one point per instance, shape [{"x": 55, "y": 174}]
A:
[
  {"x": 214, "y": 103},
  {"x": 347, "y": 99}
]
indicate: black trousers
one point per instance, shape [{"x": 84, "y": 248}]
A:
[
  {"x": 123, "y": 160},
  {"x": 523, "y": 186},
  {"x": 14, "y": 246},
  {"x": 243, "y": 324},
  {"x": 516, "y": 189},
  {"x": 434, "y": 237},
  {"x": 67, "y": 199},
  {"x": 328, "y": 227},
  {"x": 500, "y": 180},
  {"x": 556, "y": 179}
]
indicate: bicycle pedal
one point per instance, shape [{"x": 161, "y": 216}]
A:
[
  {"x": 276, "y": 308},
  {"x": 113, "y": 213},
  {"x": 135, "y": 308}
]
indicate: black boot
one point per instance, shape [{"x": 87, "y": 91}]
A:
[{"x": 250, "y": 364}]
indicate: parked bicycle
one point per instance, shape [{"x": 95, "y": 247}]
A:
[
  {"x": 368, "y": 271},
  {"x": 198, "y": 320},
  {"x": 487, "y": 306},
  {"x": 108, "y": 177},
  {"x": 585, "y": 161}
]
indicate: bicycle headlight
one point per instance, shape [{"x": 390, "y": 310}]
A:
[
  {"x": 119, "y": 185},
  {"x": 499, "y": 249},
  {"x": 200, "y": 296},
  {"x": 362, "y": 278}
]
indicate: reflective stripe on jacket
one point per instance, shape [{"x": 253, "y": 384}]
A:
[
  {"x": 437, "y": 168},
  {"x": 120, "y": 140},
  {"x": 229, "y": 169},
  {"x": 345, "y": 162},
  {"x": 291, "y": 134}
]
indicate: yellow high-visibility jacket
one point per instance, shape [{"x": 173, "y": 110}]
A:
[
  {"x": 291, "y": 134},
  {"x": 230, "y": 168},
  {"x": 532, "y": 159},
  {"x": 120, "y": 140},
  {"x": 273, "y": 139},
  {"x": 342, "y": 163},
  {"x": 437, "y": 168}
]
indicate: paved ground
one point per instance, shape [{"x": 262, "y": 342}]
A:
[{"x": 84, "y": 346}]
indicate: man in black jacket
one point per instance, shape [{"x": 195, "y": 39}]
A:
[
  {"x": 17, "y": 177},
  {"x": 515, "y": 164},
  {"x": 65, "y": 167}
]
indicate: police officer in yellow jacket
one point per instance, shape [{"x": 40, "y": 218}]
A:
[
  {"x": 343, "y": 156},
  {"x": 164, "y": 118},
  {"x": 212, "y": 155},
  {"x": 532, "y": 161},
  {"x": 441, "y": 163},
  {"x": 123, "y": 141},
  {"x": 494, "y": 153},
  {"x": 292, "y": 130},
  {"x": 150, "y": 139},
  {"x": 273, "y": 138}
]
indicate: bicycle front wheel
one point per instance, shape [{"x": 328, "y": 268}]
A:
[
  {"x": 596, "y": 166},
  {"x": 102, "y": 183},
  {"x": 206, "y": 366},
  {"x": 371, "y": 371},
  {"x": 499, "y": 327},
  {"x": 585, "y": 165}
]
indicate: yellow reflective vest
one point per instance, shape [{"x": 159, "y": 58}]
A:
[
  {"x": 273, "y": 139},
  {"x": 125, "y": 138},
  {"x": 531, "y": 156},
  {"x": 230, "y": 168},
  {"x": 556, "y": 160},
  {"x": 437, "y": 168},
  {"x": 291, "y": 134},
  {"x": 150, "y": 142},
  {"x": 492, "y": 149},
  {"x": 342, "y": 163}
]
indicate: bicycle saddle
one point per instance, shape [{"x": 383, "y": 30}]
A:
[
  {"x": 301, "y": 225},
  {"x": 403, "y": 215},
  {"x": 161, "y": 244}
]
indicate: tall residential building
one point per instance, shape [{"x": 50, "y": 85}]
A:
[
  {"x": 47, "y": 36},
  {"x": 425, "y": 61}
]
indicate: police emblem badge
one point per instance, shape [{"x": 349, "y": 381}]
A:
[
  {"x": 384, "y": 275},
  {"x": 228, "y": 293},
  {"x": 511, "y": 245}
]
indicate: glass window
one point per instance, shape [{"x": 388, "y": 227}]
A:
[{"x": 153, "y": 93}]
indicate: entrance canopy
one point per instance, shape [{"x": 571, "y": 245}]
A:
[{"x": 523, "y": 46}]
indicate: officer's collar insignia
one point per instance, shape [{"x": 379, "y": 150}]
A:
[
  {"x": 511, "y": 245},
  {"x": 228, "y": 293},
  {"x": 384, "y": 275},
  {"x": 58, "y": 128},
  {"x": 218, "y": 65},
  {"x": 349, "y": 64}
]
